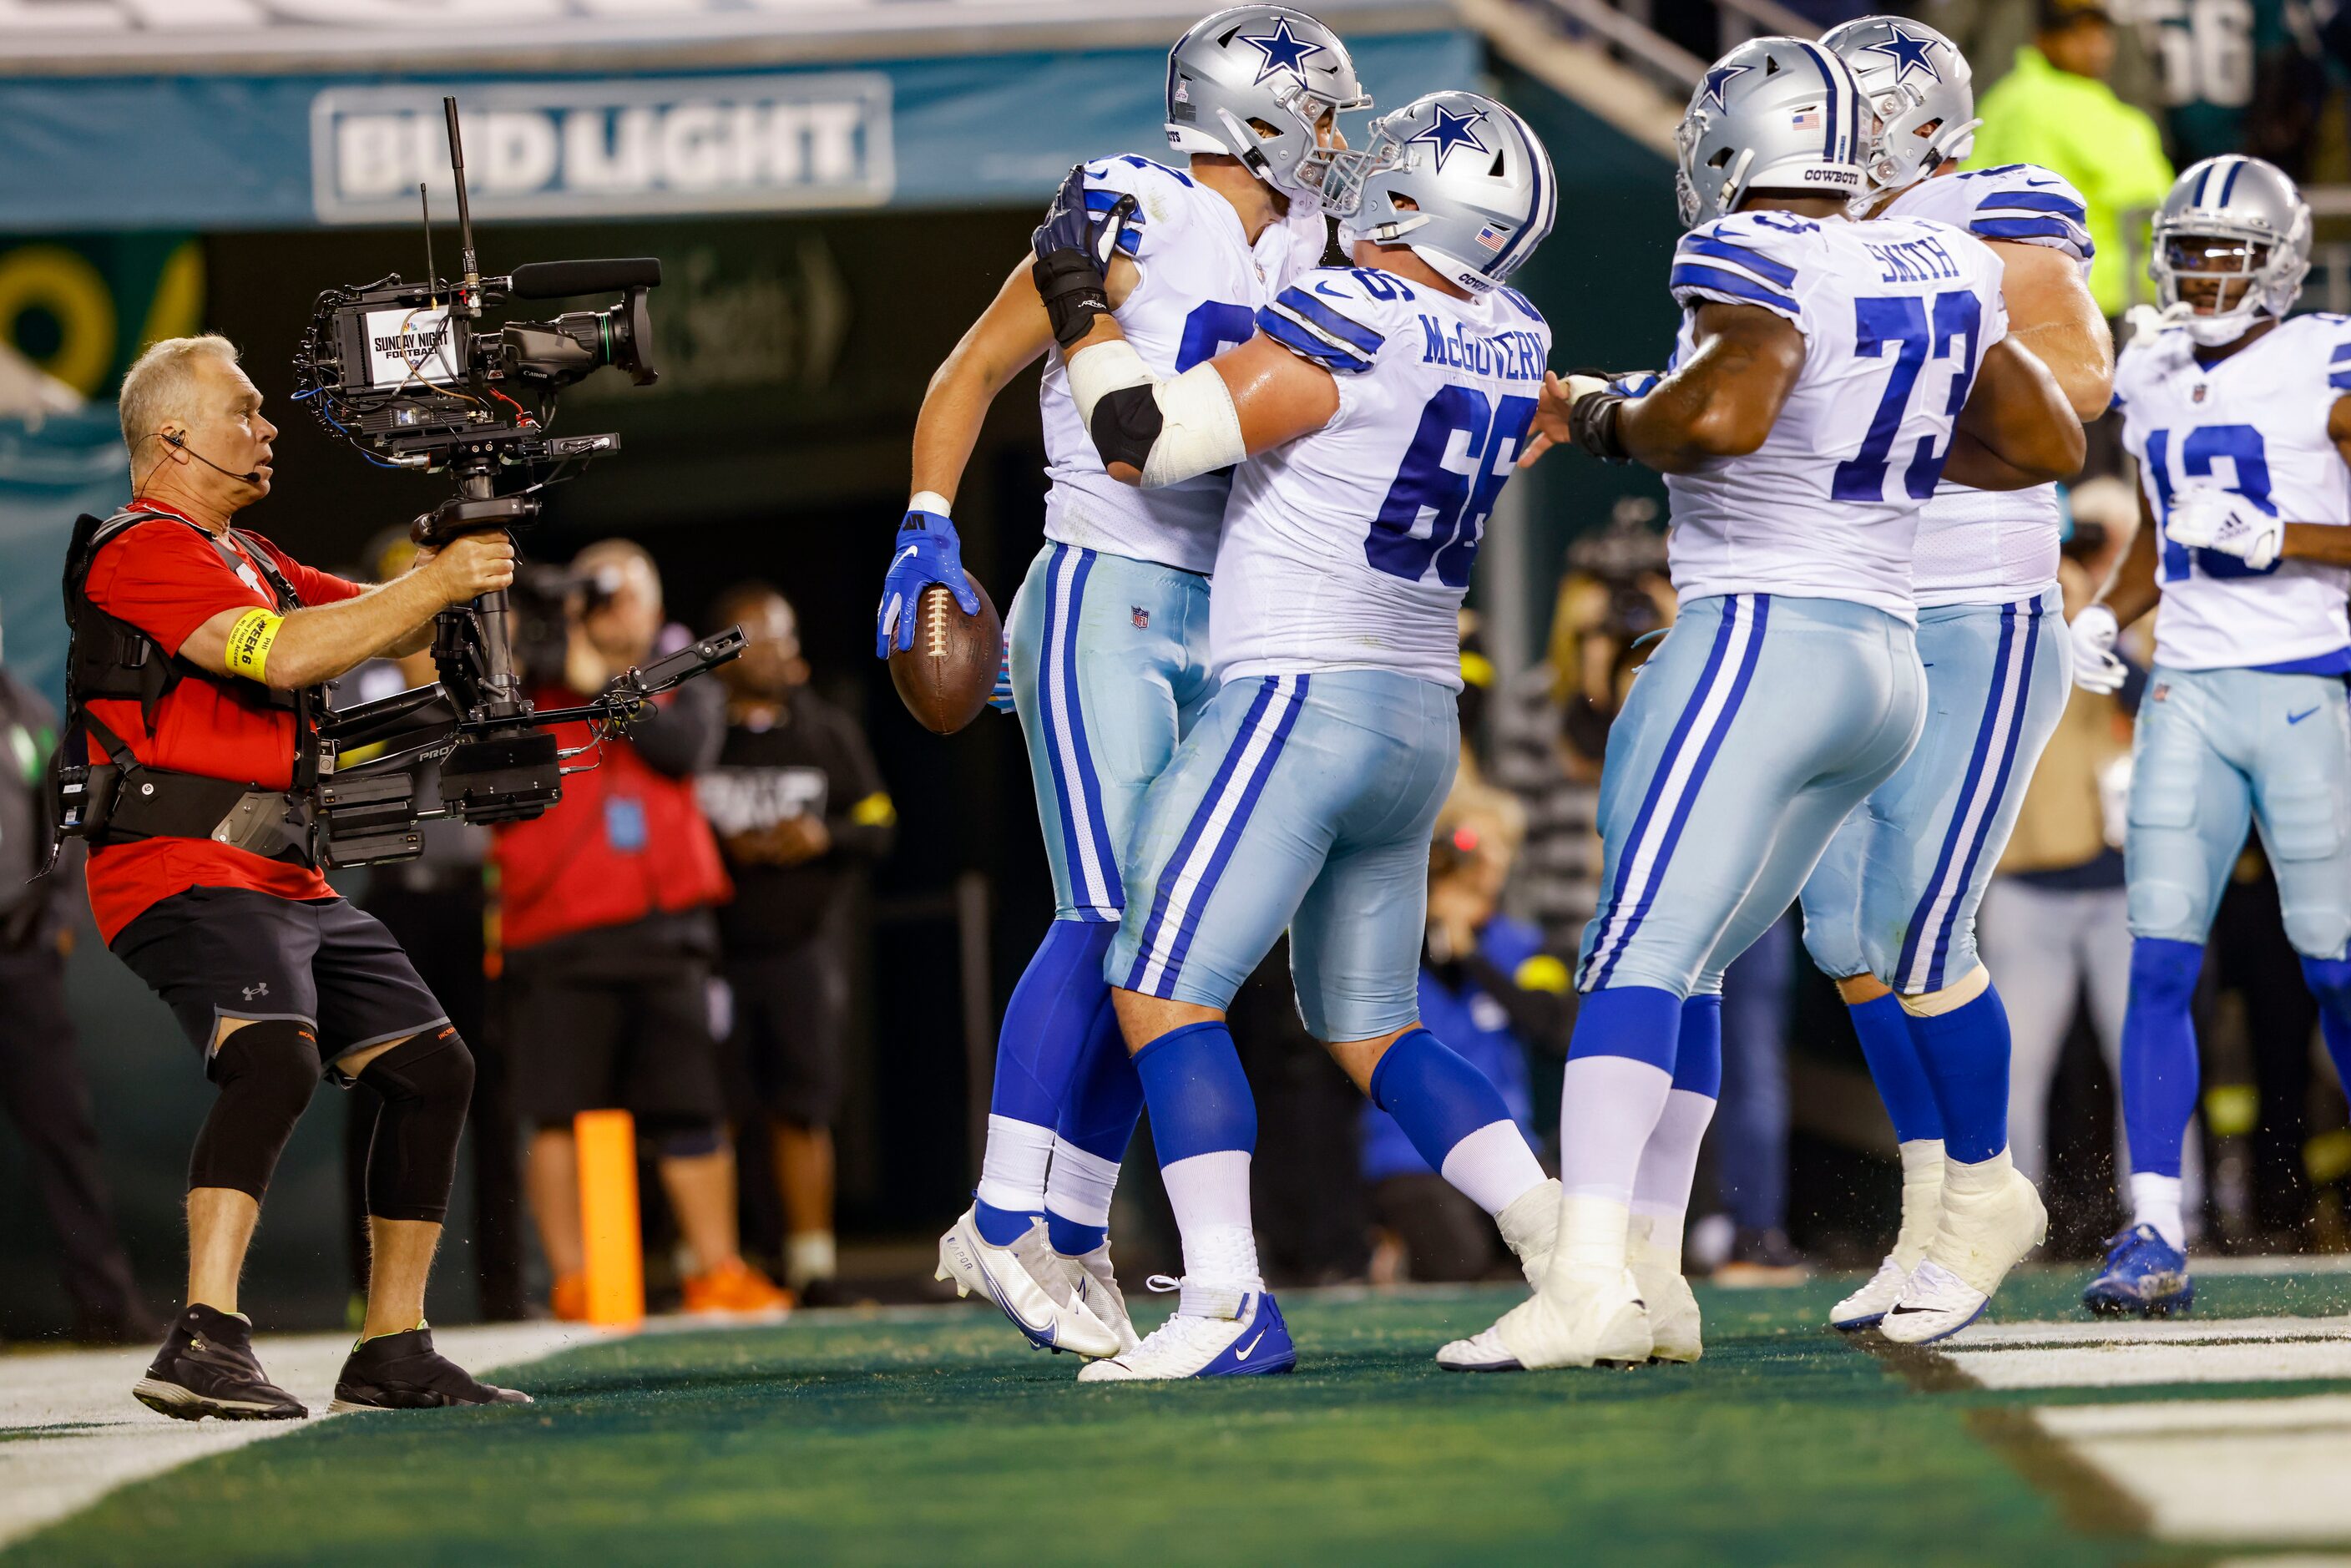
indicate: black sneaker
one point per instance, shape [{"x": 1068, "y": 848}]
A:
[
  {"x": 404, "y": 1372},
  {"x": 824, "y": 1290},
  {"x": 207, "y": 1367}
]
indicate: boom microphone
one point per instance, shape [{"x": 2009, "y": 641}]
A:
[
  {"x": 561, "y": 280},
  {"x": 250, "y": 477}
]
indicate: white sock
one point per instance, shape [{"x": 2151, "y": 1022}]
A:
[
  {"x": 1080, "y": 1185},
  {"x": 1608, "y": 1105},
  {"x": 1661, "y": 1189},
  {"x": 1211, "y": 1196},
  {"x": 1922, "y": 1200},
  {"x": 2155, "y": 1200},
  {"x": 1012, "y": 1175},
  {"x": 809, "y": 1255},
  {"x": 1492, "y": 1166}
]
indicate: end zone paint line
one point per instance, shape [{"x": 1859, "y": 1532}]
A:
[
  {"x": 2250, "y": 1473},
  {"x": 70, "y": 1433},
  {"x": 2123, "y": 1330}
]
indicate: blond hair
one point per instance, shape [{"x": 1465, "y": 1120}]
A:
[{"x": 161, "y": 384}]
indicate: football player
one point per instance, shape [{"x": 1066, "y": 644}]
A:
[
  {"x": 1108, "y": 645},
  {"x": 2240, "y": 420},
  {"x": 1827, "y": 375},
  {"x": 1380, "y": 409},
  {"x": 1890, "y": 912}
]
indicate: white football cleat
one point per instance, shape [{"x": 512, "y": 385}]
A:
[
  {"x": 1922, "y": 1211},
  {"x": 1530, "y": 1228},
  {"x": 1215, "y": 1332},
  {"x": 1574, "y": 1319},
  {"x": 1099, "y": 1290},
  {"x": 1992, "y": 1218},
  {"x": 1673, "y": 1308},
  {"x": 1036, "y": 1287}
]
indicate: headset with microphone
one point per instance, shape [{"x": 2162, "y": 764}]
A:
[{"x": 252, "y": 476}]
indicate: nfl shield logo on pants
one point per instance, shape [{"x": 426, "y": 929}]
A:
[{"x": 1142, "y": 618}]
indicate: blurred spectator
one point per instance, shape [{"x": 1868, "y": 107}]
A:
[
  {"x": 435, "y": 906},
  {"x": 1491, "y": 990},
  {"x": 1990, "y": 33},
  {"x": 1749, "y": 1135},
  {"x": 799, "y": 809},
  {"x": 1551, "y": 722},
  {"x": 40, "y": 1081},
  {"x": 2055, "y": 109},
  {"x": 2054, "y": 922},
  {"x": 606, "y": 920},
  {"x": 2237, "y": 77}
]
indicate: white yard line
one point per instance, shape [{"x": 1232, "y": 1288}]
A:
[
  {"x": 2117, "y": 1330},
  {"x": 71, "y": 1432},
  {"x": 2250, "y": 1471},
  {"x": 2140, "y": 1365}
]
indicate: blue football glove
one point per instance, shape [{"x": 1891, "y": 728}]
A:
[
  {"x": 927, "y": 552},
  {"x": 1075, "y": 245},
  {"x": 1000, "y": 699}
]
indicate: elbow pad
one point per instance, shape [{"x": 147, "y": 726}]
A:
[{"x": 1171, "y": 431}]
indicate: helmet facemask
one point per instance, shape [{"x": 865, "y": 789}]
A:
[{"x": 2216, "y": 283}]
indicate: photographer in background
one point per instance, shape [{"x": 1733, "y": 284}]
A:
[
  {"x": 606, "y": 920},
  {"x": 1491, "y": 990},
  {"x": 799, "y": 809},
  {"x": 41, "y": 1083},
  {"x": 199, "y": 651}
]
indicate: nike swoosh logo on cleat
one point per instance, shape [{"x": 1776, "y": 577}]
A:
[
  {"x": 2298, "y": 718},
  {"x": 1899, "y": 1311},
  {"x": 1245, "y": 1355}
]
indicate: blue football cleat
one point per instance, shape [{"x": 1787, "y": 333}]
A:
[
  {"x": 1214, "y": 1334},
  {"x": 2145, "y": 1275}
]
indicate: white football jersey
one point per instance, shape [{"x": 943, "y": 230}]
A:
[
  {"x": 1897, "y": 314},
  {"x": 2254, "y": 423},
  {"x": 1994, "y": 546},
  {"x": 1201, "y": 287},
  {"x": 1350, "y": 547}
]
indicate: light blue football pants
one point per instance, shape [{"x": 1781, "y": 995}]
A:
[
  {"x": 1302, "y": 801},
  {"x": 2214, "y": 749},
  {"x": 1897, "y": 893},
  {"x": 1110, "y": 670},
  {"x": 1750, "y": 734}
]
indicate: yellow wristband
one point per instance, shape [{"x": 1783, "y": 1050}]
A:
[{"x": 249, "y": 641}]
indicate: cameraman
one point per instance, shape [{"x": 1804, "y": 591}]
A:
[
  {"x": 606, "y": 918},
  {"x": 198, "y": 653}
]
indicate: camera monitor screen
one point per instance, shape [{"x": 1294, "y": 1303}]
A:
[{"x": 406, "y": 344}]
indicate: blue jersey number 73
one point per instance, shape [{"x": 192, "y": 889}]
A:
[{"x": 1950, "y": 328}]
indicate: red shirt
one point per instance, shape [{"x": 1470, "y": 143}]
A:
[{"x": 166, "y": 578}]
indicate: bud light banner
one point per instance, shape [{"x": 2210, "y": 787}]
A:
[{"x": 262, "y": 152}]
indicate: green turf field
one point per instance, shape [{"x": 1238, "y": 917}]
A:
[{"x": 934, "y": 1437}]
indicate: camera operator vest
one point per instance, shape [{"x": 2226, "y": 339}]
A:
[{"x": 122, "y": 799}]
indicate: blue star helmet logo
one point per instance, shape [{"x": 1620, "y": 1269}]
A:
[
  {"x": 1449, "y": 130},
  {"x": 1719, "y": 78},
  {"x": 1908, "y": 54},
  {"x": 1283, "y": 51}
]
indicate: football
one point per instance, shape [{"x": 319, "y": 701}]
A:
[{"x": 945, "y": 677}]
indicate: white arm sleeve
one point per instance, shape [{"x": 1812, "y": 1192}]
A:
[{"x": 1201, "y": 429}]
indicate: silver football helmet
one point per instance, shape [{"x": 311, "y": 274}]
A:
[
  {"x": 1253, "y": 83},
  {"x": 1776, "y": 114},
  {"x": 2227, "y": 221},
  {"x": 1455, "y": 177},
  {"x": 1921, "y": 89}
]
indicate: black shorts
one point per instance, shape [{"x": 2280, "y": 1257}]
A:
[
  {"x": 788, "y": 1013},
  {"x": 634, "y": 1044},
  {"x": 214, "y": 953}
]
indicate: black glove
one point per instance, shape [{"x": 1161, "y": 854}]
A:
[{"x": 1073, "y": 247}]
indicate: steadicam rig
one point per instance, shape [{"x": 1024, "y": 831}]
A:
[{"x": 411, "y": 375}]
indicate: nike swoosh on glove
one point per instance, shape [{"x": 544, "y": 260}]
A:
[{"x": 927, "y": 551}]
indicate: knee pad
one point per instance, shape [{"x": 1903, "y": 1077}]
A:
[
  {"x": 1953, "y": 997},
  {"x": 1834, "y": 945},
  {"x": 426, "y": 1083},
  {"x": 266, "y": 1072}
]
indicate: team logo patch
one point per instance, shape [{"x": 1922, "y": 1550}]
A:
[
  {"x": 1908, "y": 54},
  {"x": 1285, "y": 54},
  {"x": 1450, "y": 130},
  {"x": 1719, "y": 78},
  {"x": 1142, "y": 617},
  {"x": 2197, "y": 395}
]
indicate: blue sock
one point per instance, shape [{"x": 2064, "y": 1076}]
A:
[
  {"x": 1963, "y": 1054},
  {"x": 1199, "y": 1097},
  {"x": 1698, "y": 1054},
  {"x": 1644, "y": 1022},
  {"x": 1046, "y": 1029},
  {"x": 2330, "y": 981},
  {"x": 1892, "y": 1053},
  {"x": 2159, "y": 1066},
  {"x": 1435, "y": 1094},
  {"x": 1098, "y": 1115}
]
